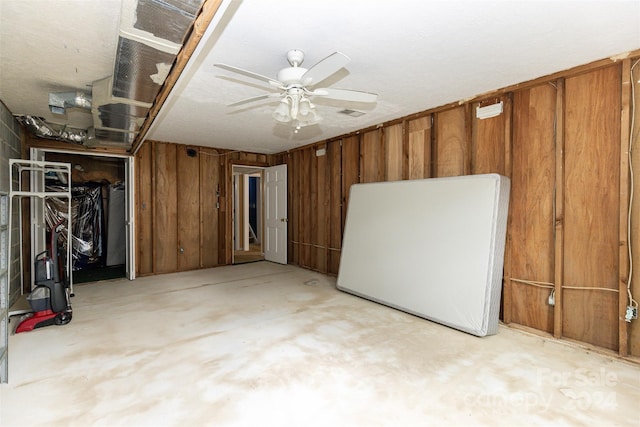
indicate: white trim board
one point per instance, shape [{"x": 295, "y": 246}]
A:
[{"x": 432, "y": 247}]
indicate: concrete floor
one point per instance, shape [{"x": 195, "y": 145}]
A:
[{"x": 269, "y": 345}]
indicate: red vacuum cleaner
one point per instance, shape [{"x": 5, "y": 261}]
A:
[{"x": 49, "y": 300}]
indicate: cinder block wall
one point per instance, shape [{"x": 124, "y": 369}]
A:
[{"x": 10, "y": 148}]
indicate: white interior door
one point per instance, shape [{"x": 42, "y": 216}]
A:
[{"x": 275, "y": 198}]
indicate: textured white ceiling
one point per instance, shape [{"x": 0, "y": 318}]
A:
[
  {"x": 416, "y": 54},
  {"x": 55, "y": 46}
]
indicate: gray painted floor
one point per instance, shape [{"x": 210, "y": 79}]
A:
[{"x": 268, "y": 345}]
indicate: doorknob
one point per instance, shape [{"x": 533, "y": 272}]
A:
[{"x": 284, "y": 219}]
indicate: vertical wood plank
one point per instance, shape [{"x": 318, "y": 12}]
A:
[
  {"x": 623, "y": 252},
  {"x": 372, "y": 155},
  {"x": 311, "y": 223},
  {"x": 334, "y": 177},
  {"x": 451, "y": 143},
  {"x": 301, "y": 202},
  {"x": 487, "y": 144},
  {"x": 531, "y": 228},
  {"x": 314, "y": 214},
  {"x": 291, "y": 210},
  {"x": 634, "y": 327},
  {"x": 487, "y": 155},
  {"x": 393, "y": 136},
  {"x": 306, "y": 213},
  {"x": 419, "y": 148},
  {"x": 209, "y": 181},
  {"x": 592, "y": 181},
  {"x": 405, "y": 149},
  {"x": 508, "y": 171},
  {"x": 508, "y": 134},
  {"x": 225, "y": 246},
  {"x": 294, "y": 172},
  {"x": 166, "y": 211},
  {"x": 468, "y": 136},
  {"x": 154, "y": 186},
  {"x": 350, "y": 170},
  {"x": 144, "y": 205},
  {"x": 321, "y": 211},
  {"x": 559, "y": 214},
  {"x": 188, "y": 177}
]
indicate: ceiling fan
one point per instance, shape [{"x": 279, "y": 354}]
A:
[{"x": 295, "y": 85}]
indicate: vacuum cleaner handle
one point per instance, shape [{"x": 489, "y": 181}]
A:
[{"x": 45, "y": 253}]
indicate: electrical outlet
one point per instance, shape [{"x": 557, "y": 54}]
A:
[{"x": 632, "y": 313}]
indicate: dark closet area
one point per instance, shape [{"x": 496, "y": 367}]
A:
[{"x": 97, "y": 215}]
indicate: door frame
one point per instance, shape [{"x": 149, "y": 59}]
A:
[
  {"x": 245, "y": 170},
  {"x": 129, "y": 167}
]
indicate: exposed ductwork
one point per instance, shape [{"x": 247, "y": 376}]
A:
[
  {"x": 151, "y": 35},
  {"x": 116, "y": 113},
  {"x": 40, "y": 128},
  {"x": 108, "y": 138},
  {"x": 60, "y": 101}
]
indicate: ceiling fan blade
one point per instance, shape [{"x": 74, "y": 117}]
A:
[
  {"x": 346, "y": 95},
  {"x": 324, "y": 68},
  {"x": 251, "y": 74},
  {"x": 254, "y": 98}
]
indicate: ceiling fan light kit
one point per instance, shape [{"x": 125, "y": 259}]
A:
[
  {"x": 297, "y": 110},
  {"x": 295, "y": 86},
  {"x": 281, "y": 113},
  {"x": 307, "y": 114}
]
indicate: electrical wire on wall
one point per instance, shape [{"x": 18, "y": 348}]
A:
[{"x": 633, "y": 304}]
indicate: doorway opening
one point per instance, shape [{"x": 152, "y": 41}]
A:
[
  {"x": 248, "y": 214},
  {"x": 101, "y": 214}
]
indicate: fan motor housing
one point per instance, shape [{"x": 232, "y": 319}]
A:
[
  {"x": 291, "y": 75},
  {"x": 295, "y": 57}
]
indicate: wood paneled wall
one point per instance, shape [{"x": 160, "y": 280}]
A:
[
  {"x": 531, "y": 225},
  {"x": 634, "y": 100},
  {"x": 591, "y": 204},
  {"x": 183, "y": 212},
  {"x": 562, "y": 142}
]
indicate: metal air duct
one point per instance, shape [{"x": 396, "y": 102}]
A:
[
  {"x": 151, "y": 35},
  {"x": 108, "y": 138},
  {"x": 60, "y": 101},
  {"x": 38, "y": 127}
]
